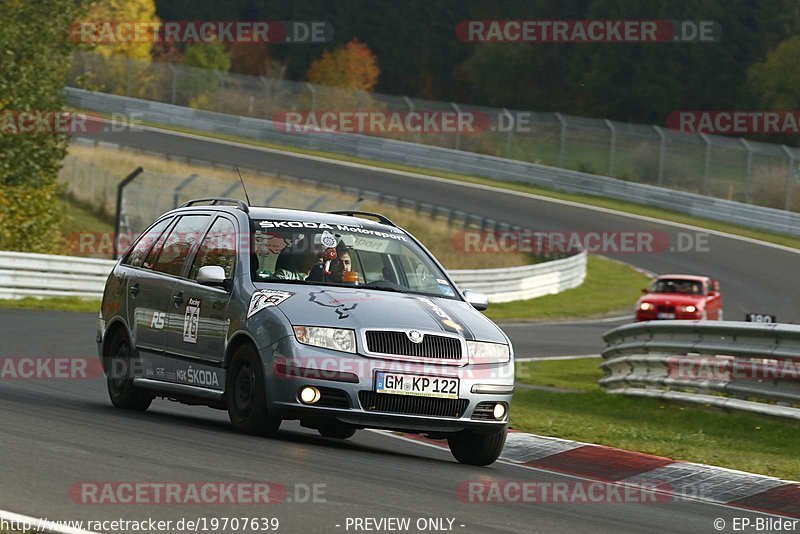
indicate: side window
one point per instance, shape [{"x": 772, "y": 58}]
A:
[
  {"x": 218, "y": 248},
  {"x": 137, "y": 254},
  {"x": 179, "y": 243}
]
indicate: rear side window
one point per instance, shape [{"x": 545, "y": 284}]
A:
[
  {"x": 139, "y": 251},
  {"x": 218, "y": 248},
  {"x": 179, "y": 243}
]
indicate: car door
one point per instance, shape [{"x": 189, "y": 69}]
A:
[
  {"x": 147, "y": 293},
  {"x": 161, "y": 272},
  {"x": 198, "y": 345}
]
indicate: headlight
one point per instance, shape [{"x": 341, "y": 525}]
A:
[
  {"x": 480, "y": 352},
  {"x": 646, "y": 306},
  {"x": 328, "y": 338},
  {"x": 690, "y": 309}
]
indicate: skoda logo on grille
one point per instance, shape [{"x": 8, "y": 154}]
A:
[{"x": 415, "y": 336}]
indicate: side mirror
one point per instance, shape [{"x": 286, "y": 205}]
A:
[
  {"x": 478, "y": 300},
  {"x": 645, "y": 290},
  {"x": 211, "y": 275}
]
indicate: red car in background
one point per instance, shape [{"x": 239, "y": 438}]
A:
[{"x": 680, "y": 296}]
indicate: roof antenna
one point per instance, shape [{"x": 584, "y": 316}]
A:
[{"x": 243, "y": 187}]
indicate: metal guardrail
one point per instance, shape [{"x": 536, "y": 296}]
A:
[
  {"x": 734, "y": 365},
  {"x": 41, "y": 275},
  {"x": 443, "y": 159}
]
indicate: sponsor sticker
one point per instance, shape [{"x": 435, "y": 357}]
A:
[
  {"x": 266, "y": 298},
  {"x": 444, "y": 318}
]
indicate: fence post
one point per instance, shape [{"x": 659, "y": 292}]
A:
[
  {"x": 458, "y": 132},
  {"x": 176, "y": 195},
  {"x": 411, "y": 108},
  {"x": 128, "y": 76},
  {"x": 510, "y": 135},
  {"x": 706, "y": 165},
  {"x": 612, "y": 148},
  {"x": 790, "y": 178},
  {"x": 748, "y": 184},
  {"x": 174, "y": 71},
  {"x": 562, "y": 139},
  {"x": 662, "y": 152},
  {"x": 313, "y": 96},
  {"x": 120, "y": 189}
]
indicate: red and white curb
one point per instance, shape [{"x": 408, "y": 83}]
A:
[{"x": 681, "y": 479}]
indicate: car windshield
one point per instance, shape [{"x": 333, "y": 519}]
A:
[
  {"x": 319, "y": 253},
  {"x": 673, "y": 285}
]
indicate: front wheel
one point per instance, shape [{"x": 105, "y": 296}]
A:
[
  {"x": 337, "y": 431},
  {"x": 121, "y": 391},
  {"x": 245, "y": 394},
  {"x": 478, "y": 448}
]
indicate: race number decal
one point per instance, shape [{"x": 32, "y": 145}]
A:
[
  {"x": 191, "y": 321},
  {"x": 266, "y": 298}
]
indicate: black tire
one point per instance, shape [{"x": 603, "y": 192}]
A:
[
  {"x": 477, "y": 448},
  {"x": 119, "y": 378},
  {"x": 245, "y": 394},
  {"x": 337, "y": 431}
]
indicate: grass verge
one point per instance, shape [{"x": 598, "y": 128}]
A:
[
  {"x": 618, "y": 205},
  {"x": 683, "y": 432},
  {"x": 74, "y": 304},
  {"x": 610, "y": 288}
]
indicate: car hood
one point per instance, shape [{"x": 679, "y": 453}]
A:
[
  {"x": 344, "y": 307},
  {"x": 672, "y": 299}
]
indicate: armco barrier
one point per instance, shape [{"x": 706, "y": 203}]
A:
[
  {"x": 442, "y": 159},
  {"x": 40, "y": 275},
  {"x": 739, "y": 366}
]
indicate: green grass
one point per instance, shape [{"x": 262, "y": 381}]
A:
[
  {"x": 74, "y": 304},
  {"x": 683, "y": 432},
  {"x": 610, "y": 288},
  {"x": 618, "y": 205}
]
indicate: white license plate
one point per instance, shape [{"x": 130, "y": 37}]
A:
[
  {"x": 417, "y": 385},
  {"x": 666, "y": 315}
]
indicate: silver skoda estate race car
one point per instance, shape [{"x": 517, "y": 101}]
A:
[{"x": 341, "y": 320}]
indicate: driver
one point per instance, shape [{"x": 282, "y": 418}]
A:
[
  {"x": 342, "y": 264},
  {"x": 299, "y": 261}
]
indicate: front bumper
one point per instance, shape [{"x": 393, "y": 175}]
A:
[{"x": 350, "y": 379}]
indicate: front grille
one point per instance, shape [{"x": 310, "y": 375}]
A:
[
  {"x": 666, "y": 309},
  {"x": 484, "y": 411},
  {"x": 397, "y": 343},
  {"x": 407, "y": 404},
  {"x": 333, "y": 398}
]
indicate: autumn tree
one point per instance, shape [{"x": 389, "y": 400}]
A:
[
  {"x": 352, "y": 66},
  {"x": 111, "y": 12},
  {"x": 35, "y": 52}
]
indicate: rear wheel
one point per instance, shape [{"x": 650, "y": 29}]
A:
[
  {"x": 477, "y": 448},
  {"x": 245, "y": 394},
  {"x": 337, "y": 431},
  {"x": 121, "y": 391}
]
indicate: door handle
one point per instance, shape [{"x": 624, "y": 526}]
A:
[
  {"x": 178, "y": 299},
  {"x": 134, "y": 289}
]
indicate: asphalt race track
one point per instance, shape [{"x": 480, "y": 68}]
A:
[
  {"x": 62, "y": 432},
  {"x": 753, "y": 276}
]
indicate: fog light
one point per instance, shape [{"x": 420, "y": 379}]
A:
[
  {"x": 499, "y": 411},
  {"x": 309, "y": 395}
]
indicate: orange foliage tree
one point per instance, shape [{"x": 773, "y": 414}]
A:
[{"x": 352, "y": 66}]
